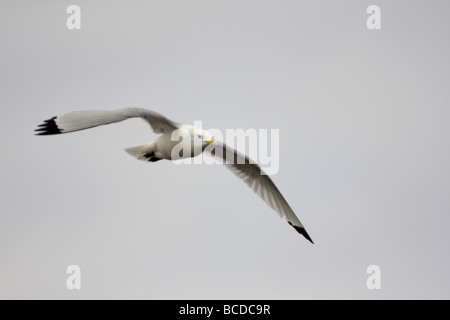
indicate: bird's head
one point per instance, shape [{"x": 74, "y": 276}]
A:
[
  {"x": 198, "y": 140},
  {"x": 202, "y": 138}
]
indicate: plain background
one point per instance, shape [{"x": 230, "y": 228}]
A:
[{"x": 364, "y": 153}]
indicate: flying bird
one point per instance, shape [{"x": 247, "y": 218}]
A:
[{"x": 162, "y": 148}]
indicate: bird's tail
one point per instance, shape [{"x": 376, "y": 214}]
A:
[{"x": 144, "y": 152}]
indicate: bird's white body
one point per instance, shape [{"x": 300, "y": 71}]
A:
[{"x": 163, "y": 146}]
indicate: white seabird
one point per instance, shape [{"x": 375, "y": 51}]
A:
[{"x": 161, "y": 148}]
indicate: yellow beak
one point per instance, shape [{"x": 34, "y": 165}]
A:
[{"x": 213, "y": 142}]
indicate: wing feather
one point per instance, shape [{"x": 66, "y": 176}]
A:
[
  {"x": 80, "y": 120},
  {"x": 252, "y": 174}
]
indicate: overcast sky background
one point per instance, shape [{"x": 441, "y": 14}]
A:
[{"x": 364, "y": 151}]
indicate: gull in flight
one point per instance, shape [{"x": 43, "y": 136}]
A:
[{"x": 161, "y": 148}]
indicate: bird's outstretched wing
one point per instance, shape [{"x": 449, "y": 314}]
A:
[
  {"x": 261, "y": 184},
  {"x": 80, "y": 120}
]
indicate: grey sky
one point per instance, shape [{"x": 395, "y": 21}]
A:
[{"x": 364, "y": 152}]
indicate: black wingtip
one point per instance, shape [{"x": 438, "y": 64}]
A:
[
  {"x": 303, "y": 232},
  {"x": 47, "y": 128}
]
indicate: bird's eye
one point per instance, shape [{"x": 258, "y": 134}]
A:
[{"x": 199, "y": 136}]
